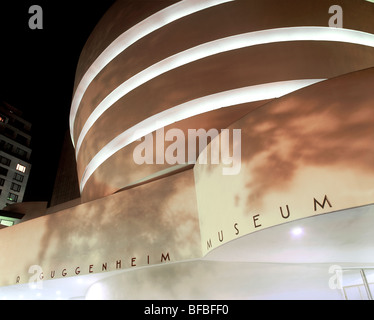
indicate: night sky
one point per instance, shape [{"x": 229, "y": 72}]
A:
[{"x": 37, "y": 70}]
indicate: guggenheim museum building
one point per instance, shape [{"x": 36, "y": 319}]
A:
[{"x": 223, "y": 150}]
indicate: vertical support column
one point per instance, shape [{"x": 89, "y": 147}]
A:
[{"x": 364, "y": 280}]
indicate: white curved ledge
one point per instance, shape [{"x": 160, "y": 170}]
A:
[
  {"x": 190, "y": 109},
  {"x": 220, "y": 46}
]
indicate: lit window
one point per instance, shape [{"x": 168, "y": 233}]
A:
[
  {"x": 3, "y": 118},
  {"x": 7, "y": 223},
  {"x": 20, "y": 168},
  {"x": 12, "y": 197}
]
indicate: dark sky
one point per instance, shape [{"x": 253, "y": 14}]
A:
[{"x": 37, "y": 70}]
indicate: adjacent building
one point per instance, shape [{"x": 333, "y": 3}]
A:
[{"x": 15, "y": 152}]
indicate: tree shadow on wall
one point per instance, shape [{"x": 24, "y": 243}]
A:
[
  {"x": 327, "y": 124},
  {"x": 324, "y": 125},
  {"x": 151, "y": 219}
]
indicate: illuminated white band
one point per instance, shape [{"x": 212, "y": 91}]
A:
[
  {"x": 220, "y": 46},
  {"x": 190, "y": 109},
  {"x": 156, "y": 21}
]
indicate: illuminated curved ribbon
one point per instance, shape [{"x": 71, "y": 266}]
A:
[
  {"x": 190, "y": 109},
  {"x": 219, "y": 46},
  {"x": 129, "y": 37}
]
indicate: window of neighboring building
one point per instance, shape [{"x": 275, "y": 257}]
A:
[
  {"x": 21, "y": 139},
  {"x": 20, "y": 168},
  {"x": 6, "y": 146},
  {"x": 21, "y": 152},
  {"x": 4, "y": 160},
  {"x": 2, "y": 182},
  {"x": 18, "y": 177},
  {"x": 9, "y": 132},
  {"x": 3, "y": 171},
  {"x": 15, "y": 187},
  {"x": 12, "y": 197}
]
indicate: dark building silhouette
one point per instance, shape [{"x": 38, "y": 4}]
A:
[{"x": 66, "y": 186}]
